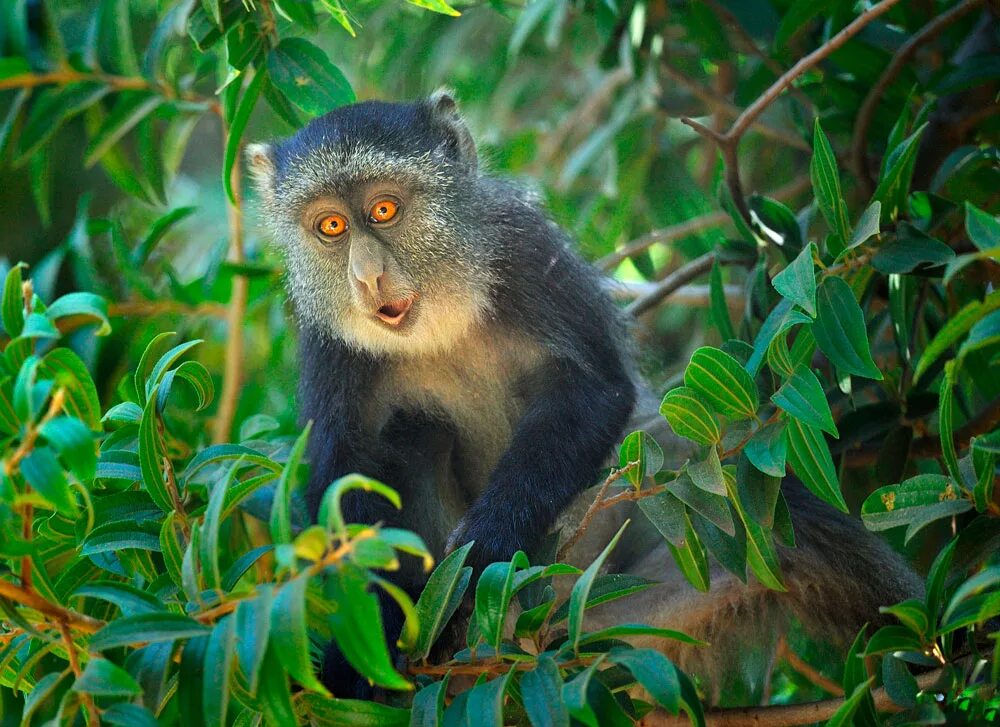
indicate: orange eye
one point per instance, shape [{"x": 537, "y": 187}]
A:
[
  {"x": 332, "y": 225},
  {"x": 383, "y": 210}
]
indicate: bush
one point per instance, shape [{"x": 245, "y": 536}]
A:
[{"x": 157, "y": 564}]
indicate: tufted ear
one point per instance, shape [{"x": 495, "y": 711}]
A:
[
  {"x": 460, "y": 145},
  {"x": 260, "y": 162}
]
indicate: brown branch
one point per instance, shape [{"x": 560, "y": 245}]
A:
[
  {"x": 728, "y": 142},
  {"x": 74, "y": 665},
  {"x": 683, "y": 275},
  {"x": 859, "y": 140},
  {"x": 681, "y": 230},
  {"x": 68, "y": 75},
  {"x": 31, "y": 599},
  {"x": 795, "y": 661},
  {"x": 593, "y": 509},
  {"x": 232, "y": 381},
  {"x": 131, "y": 308},
  {"x": 783, "y": 715},
  {"x": 694, "y": 295}
]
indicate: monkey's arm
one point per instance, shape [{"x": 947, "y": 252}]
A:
[{"x": 557, "y": 450}]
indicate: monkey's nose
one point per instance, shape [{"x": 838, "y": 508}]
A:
[{"x": 370, "y": 278}]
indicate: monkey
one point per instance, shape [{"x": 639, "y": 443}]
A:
[{"x": 454, "y": 346}]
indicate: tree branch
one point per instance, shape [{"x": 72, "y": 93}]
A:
[
  {"x": 232, "y": 381},
  {"x": 683, "y": 275},
  {"x": 593, "y": 509},
  {"x": 783, "y": 715},
  {"x": 31, "y": 599},
  {"x": 859, "y": 140}
]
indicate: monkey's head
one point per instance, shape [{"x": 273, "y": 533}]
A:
[{"x": 376, "y": 208}]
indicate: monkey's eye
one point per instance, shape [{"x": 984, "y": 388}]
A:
[
  {"x": 332, "y": 225},
  {"x": 383, "y": 210}
]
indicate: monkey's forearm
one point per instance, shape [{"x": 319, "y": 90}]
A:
[{"x": 559, "y": 446}]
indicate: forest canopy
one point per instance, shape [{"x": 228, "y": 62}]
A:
[{"x": 798, "y": 198}]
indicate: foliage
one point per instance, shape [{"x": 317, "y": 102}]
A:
[{"x": 156, "y": 565}]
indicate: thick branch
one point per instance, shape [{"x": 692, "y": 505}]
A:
[
  {"x": 859, "y": 140},
  {"x": 783, "y": 715}
]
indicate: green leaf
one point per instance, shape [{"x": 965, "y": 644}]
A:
[
  {"x": 802, "y": 396},
  {"x": 115, "y": 51},
  {"x": 622, "y": 630},
  {"x": 541, "y": 695},
  {"x": 913, "y": 614},
  {"x": 130, "y": 600},
  {"x": 915, "y": 503},
  {"x": 427, "y": 709},
  {"x": 281, "y": 506},
  {"x": 776, "y": 224},
  {"x": 484, "y": 703},
  {"x": 768, "y": 449},
  {"x": 707, "y": 473},
  {"x": 351, "y": 712},
  {"x": 713, "y": 507},
  {"x": 691, "y": 557},
  {"x": 84, "y": 308},
  {"x": 195, "y": 374},
  {"x": 983, "y": 229},
  {"x": 654, "y": 671},
  {"x": 12, "y": 305},
  {"x": 437, "y": 6},
  {"x": 719, "y": 308},
  {"x": 723, "y": 382},
  {"x": 581, "y": 590},
  {"x": 845, "y": 713},
  {"x": 946, "y": 421},
  {"x": 642, "y": 448},
  {"x": 840, "y": 330},
  {"x": 235, "y": 132},
  {"x": 894, "y": 186},
  {"x": 493, "y": 594},
  {"x": 755, "y": 493},
  {"x": 809, "y": 456},
  {"x": 985, "y": 333},
  {"x": 253, "y": 624},
  {"x": 209, "y": 541},
  {"x": 867, "y": 225},
  {"x": 146, "y": 628},
  {"x": 171, "y": 548},
  {"x": 329, "y": 509},
  {"x": 219, "y": 656},
  {"x": 797, "y": 282},
  {"x": 779, "y": 320},
  {"x": 129, "y": 110},
  {"x": 305, "y": 76},
  {"x": 105, "y": 679},
  {"x": 908, "y": 252},
  {"x": 289, "y": 637},
  {"x": 151, "y": 455},
  {"x": 666, "y": 513},
  {"x": 357, "y": 628},
  {"x": 575, "y": 695},
  {"x": 826, "y": 184},
  {"x": 74, "y": 443},
  {"x": 129, "y": 715},
  {"x": 273, "y": 694},
  {"x": 957, "y": 325},
  {"x": 689, "y": 416},
  {"x": 440, "y": 598},
  {"x": 41, "y": 470}
]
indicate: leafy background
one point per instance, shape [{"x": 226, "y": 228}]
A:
[{"x": 827, "y": 246}]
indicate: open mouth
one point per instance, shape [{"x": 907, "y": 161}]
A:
[{"x": 393, "y": 312}]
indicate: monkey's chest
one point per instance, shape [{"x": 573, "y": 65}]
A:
[{"x": 474, "y": 393}]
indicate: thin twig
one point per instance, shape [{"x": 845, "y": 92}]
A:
[
  {"x": 133, "y": 308},
  {"x": 31, "y": 599},
  {"x": 728, "y": 142},
  {"x": 683, "y": 275},
  {"x": 859, "y": 140},
  {"x": 232, "y": 381},
  {"x": 593, "y": 509},
  {"x": 784, "y": 714},
  {"x": 681, "y": 230},
  {"x": 74, "y": 665}
]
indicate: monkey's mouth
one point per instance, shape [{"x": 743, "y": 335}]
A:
[{"x": 393, "y": 312}]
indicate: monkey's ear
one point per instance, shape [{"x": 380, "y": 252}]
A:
[
  {"x": 460, "y": 144},
  {"x": 260, "y": 162}
]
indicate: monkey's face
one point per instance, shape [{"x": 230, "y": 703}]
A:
[
  {"x": 377, "y": 209},
  {"x": 387, "y": 267}
]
